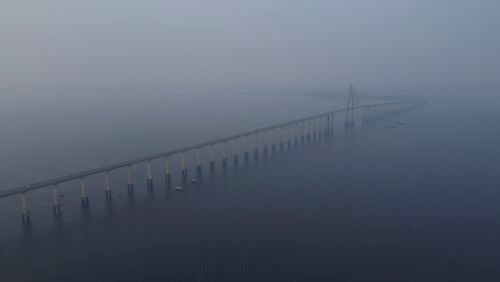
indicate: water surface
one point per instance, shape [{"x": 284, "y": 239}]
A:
[{"x": 413, "y": 202}]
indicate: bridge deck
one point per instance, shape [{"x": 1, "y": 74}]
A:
[{"x": 107, "y": 168}]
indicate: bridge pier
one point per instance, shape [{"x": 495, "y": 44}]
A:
[
  {"x": 235, "y": 151},
  {"x": 167, "y": 172},
  {"x": 130, "y": 181},
  {"x": 309, "y": 131},
  {"x": 313, "y": 126},
  {"x": 224, "y": 154},
  {"x": 107, "y": 190},
  {"x": 327, "y": 126},
  {"x": 273, "y": 146},
  {"x": 84, "y": 198},
  {"x": 198, "y": 161},
  {"x": 56, "y": 205},
  {"x": 289, "y": 136},
  {"x": 149, "y": 179},
  {"x": 280, "y": 137},
  {"x": 212, "y": 162},
  {"x": 318, "y": 128},
  {"x": 183, "y": 166},
  {"x": 265, "y": 146},
  {"x": 321, "y": 127},
  {"x": 302, "y": 132},
  {"x": 295, "y": 135},
  {"x": 246, "y": 153},
  {"x": 256, "y": 147},
  {"x": 332, "y": 128},
  {"x": 25, "y": 214}
]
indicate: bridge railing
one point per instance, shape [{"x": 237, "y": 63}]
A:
[{"x": 325, "y": 120}]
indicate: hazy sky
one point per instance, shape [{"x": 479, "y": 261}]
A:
[{"x": 250, "y": 45}]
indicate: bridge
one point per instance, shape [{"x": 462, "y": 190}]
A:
[{"x": 300, "y": 131}]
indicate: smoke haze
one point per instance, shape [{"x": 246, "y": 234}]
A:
[{"x": 250, "y": 45}]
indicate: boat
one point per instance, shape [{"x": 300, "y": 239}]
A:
[{"x": 178, "y": 188}]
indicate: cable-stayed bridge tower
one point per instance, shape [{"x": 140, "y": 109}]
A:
[{"x": 349, "y": 113}]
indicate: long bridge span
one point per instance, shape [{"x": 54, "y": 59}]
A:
[{"x": 296, "y": 132}]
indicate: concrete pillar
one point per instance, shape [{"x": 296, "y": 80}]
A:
[
  {"x": 264, "y": 148},
  {"x": 332, "y": 124},
  {"x": 256, "y": 147},
  {"x": 319, "y": 130},
  {"x": 56, "y": 205},
  {"x": 246, "y": 154},
  {"x": 198, "y": 161},
  {"x": 25, "y": 214},
  {"x": 167, "y": 172},
  {"x": 149, "y": 179},
  {"x": 289, "y": 136},
  {"x": 295, "y": 135},
  {"x": 327, "y": 126},
  {"x": 224, "y": 154},
  {"x": 308, "y": 129},
  {"x": 302, "y": 132},
  {"x": 212, "y": 162},
  {"x": 273, "y": 137},
  {"x": 107, "y": 181},
  {"x": 332, "y": 120},
  {"x": 313, "y": 127},
  {"x": 183, "y": 166},
  {"x": 84, "y": 198},
  {"x": 235, "y": 151},
  {"x": 280, "y": 138},
  {"x": 320, "y": 127},
  {"x": 130, "y": 180}
]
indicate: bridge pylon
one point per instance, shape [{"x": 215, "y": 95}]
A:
[{"x": 349, "y": 116}]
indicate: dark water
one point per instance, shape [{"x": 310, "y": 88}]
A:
[{"x": 418, "y": 202}]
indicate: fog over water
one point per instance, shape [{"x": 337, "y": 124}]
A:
[{"x": 411, "y": 197}]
